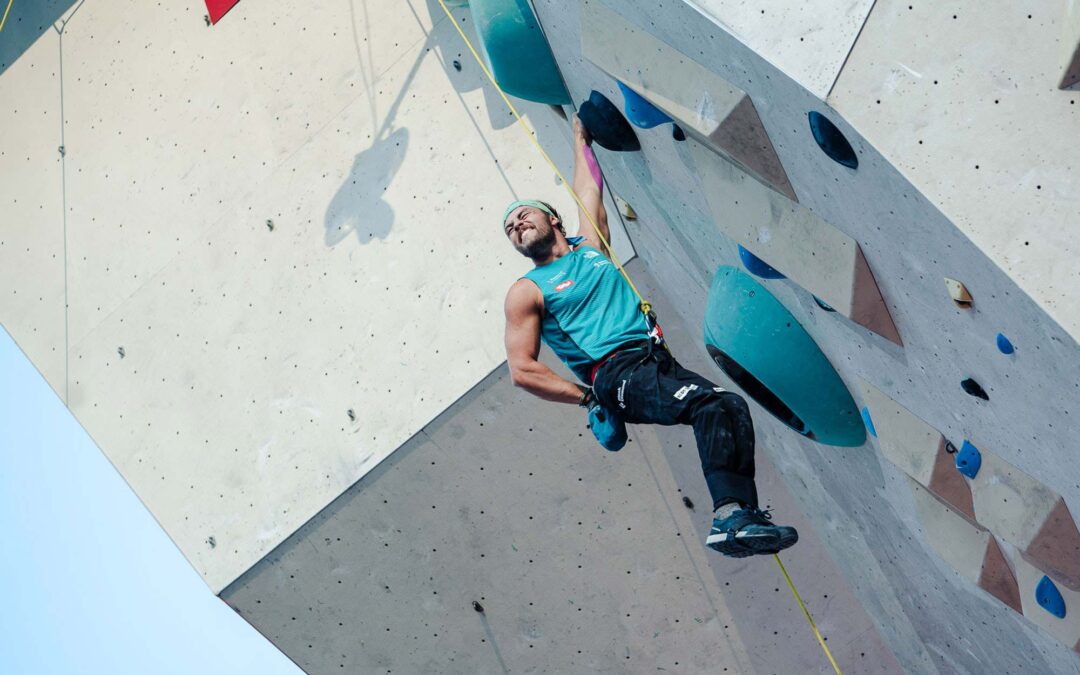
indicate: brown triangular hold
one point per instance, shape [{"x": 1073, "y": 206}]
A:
[
  {"x": 1071, "y": 78},
  {"x": 867, "y": 306},
  {"x": 1056, "y": 548},
  {"x": 743, "y": 137},
  {"x": 997, "y": 578},
  {"x": 949, "y": 485}
]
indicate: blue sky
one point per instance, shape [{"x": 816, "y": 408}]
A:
[{"x": 90, "y": 582}]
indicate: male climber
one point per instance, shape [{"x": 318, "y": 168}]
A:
[{"x": 584, "y": 310}]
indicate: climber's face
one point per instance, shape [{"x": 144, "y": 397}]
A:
[{"x": 531, "y": 231}]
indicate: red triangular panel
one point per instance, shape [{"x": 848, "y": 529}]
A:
[{"x": 217, "y": 8}]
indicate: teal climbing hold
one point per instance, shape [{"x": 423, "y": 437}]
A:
[
  {"x": 1049, "y": 597},
  {"x": 755, "y": 340},
  {"x": 639, "y": 111},
  {"x": 968, "y": 460},
  {"x": 517, "y": 51},
  {"x": 868, "y": 421},
  {"x": 758, "y": 267}
]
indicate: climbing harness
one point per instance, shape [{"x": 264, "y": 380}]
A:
[{"x": 646, "y": 308}]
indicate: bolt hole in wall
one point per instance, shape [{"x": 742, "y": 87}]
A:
[{"x": 832, "y": 141}]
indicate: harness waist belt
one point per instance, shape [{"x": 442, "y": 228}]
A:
[{"x": 631, "y": 346}]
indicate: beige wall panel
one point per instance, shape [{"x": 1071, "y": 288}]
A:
[
  {"x": 1066, "y": 630},
  {"x": 1008, "y": 501},
  {"x": 31, "y": 209},
  {"x": 807, "y": 40},
  {"x": 905, "y": 440},
  {"x": 793, "y": 240},
  {"x": 228, "y": 413},
  {"x": 971, "y": 114},
  {"x": 703, "y": 103},
  {"x": 956, "y": 539},
  {"x": 170, "y": 123}
]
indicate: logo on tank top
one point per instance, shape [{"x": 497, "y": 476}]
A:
[{"x": 564, "y": 285}]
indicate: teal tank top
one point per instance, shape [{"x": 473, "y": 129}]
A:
[{"x": 589, "y": 309}]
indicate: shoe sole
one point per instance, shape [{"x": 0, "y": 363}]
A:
[{"x": 744, "y": 544}]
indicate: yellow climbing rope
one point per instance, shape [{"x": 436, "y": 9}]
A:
[
  {"x": 4, "y": 20},
  {"x": 645, "y": 306},
  {"x": 813, "y": 626}
]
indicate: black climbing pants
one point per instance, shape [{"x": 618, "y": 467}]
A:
[{"x": 650, "y": 387}]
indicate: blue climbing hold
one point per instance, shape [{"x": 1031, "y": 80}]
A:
[
  {"x": 639, "y": 111},
  {"x": 1004, "y": 346},
  {"x": 832, "y": 142},
  {"x": 1049, "y": 597},
  {"x": 868, "y": 421},
  {"x": 968, "y": 460},
  {"x": 758, "y": 267}
]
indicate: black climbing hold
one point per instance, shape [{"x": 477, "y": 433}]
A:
[
  {"x": 457, "y": 65},
  {"x": 968, "y": 460},
  {"x": 477, "y": 606},
  {"x": 832, "y": 141},
  {"x": 1003, "y": 344},
  {"x": 975, "y": 389},
  {"x": 1049, "y": 597},
  {"x": 758, "y": 267},
  {"x": 269, "y": 224},
  {"x": 821, "y": 303},
  {"x": 606, "y": 124},
  {"x": 687, "y": 503},
  {"x": 677, "y": 133}
]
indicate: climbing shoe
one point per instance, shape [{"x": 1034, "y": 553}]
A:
[{"x": 749, "y": 531}]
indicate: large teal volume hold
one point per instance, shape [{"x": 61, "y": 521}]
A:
[
  {"x": 764, "y": 349},
  {"x": 517, "y": 51}
]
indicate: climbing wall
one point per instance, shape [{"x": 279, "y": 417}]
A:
[
  {"x": 246, "y": 256},
  {"x": 267, "y": 282},
  {"x": 582, "y": 560},
  {"x": 958, "y": 367}
]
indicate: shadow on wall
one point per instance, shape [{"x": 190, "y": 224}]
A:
[
  {"x": 358, "y": 205},
  {"x": 25, "y": 23}
]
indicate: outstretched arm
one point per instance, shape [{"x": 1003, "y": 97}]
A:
[
  {"x": 589, "y": 191},
  {"x": 524, "y": 309}
]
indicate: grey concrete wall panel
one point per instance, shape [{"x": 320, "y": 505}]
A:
[
  {"x": 984, "y": 133},
  {"x": 911, "y": 246},
  {"x": 32, "y": 253},
  {"x": 214, "y": 358},
  {"x": 809, "y": 41},
  {"x": 583, "y": 560}
]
